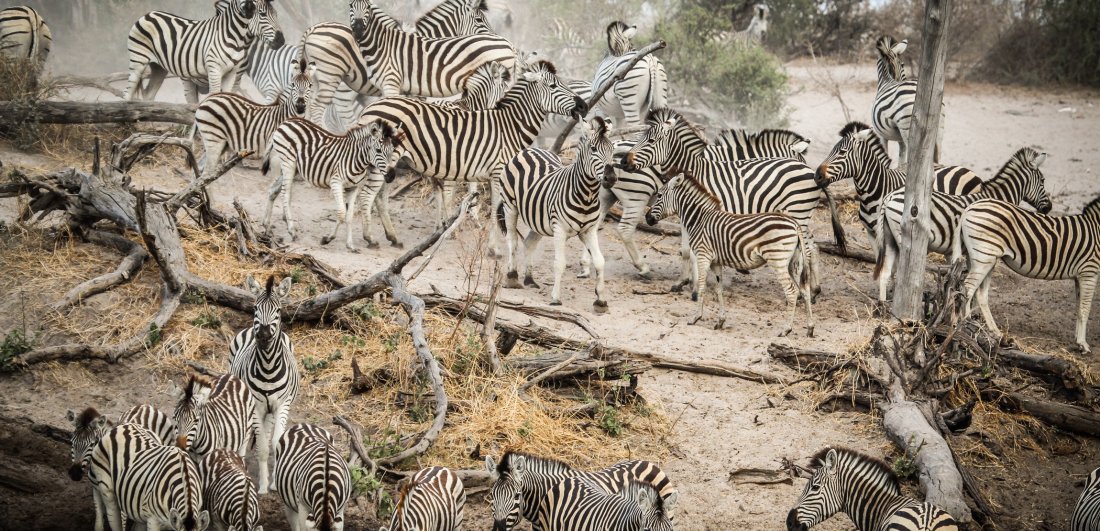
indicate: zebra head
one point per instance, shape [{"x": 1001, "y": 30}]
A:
[
  {"x": 359, "y": 12},
  {"x": 889, "y": 57},
  {"x": 267, "y": 316},
  {"x": 667, "y": 133},
  {"x": 189, "y": 403},
  {"x": 1027, "y": 162},
  {"x": 847, "y": 159},
  {"x": 380, "y": 141},
  {"x": 653, "y": 513},
  {"x": 821, "y": 498},
  {"x": 485, "y": 86},
  {"x": 88, "y": 428},
  {"x": 471, "y": 18},
  {"x": 550, "y": 94},
  {"x": 597, "y": 152},
  {"x": 266, "y": 24},
  {"x": 506, "y": 495},
  {"x": 842, "y": 473},
  {"x": 618, "y": 37},
  {"x": 680, "y": 192},
  {"x": 298, "y": 92}
]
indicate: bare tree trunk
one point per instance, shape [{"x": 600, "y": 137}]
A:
[
  {"x": 922, "y": 143},
  {"x": 72, "y": 112}
]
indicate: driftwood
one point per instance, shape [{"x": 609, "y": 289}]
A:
[
  {"x": 854, "y": 254},
  {"x": 558, "y": 365},
  {"x": 134, "y": 257},
  {"x": 1064, "y": 416},
  {"x": 72, "y": 112},
  {"x": 102, "y": 83}
]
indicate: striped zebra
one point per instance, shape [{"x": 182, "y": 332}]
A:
[
  {"x": 868, "y": 491},
  {"x": 152, "y": 419},
  {"x": 578, "y": 504},
  {"x": 325, "y": 160},
  {"x": 134, "y": 477},
  {"x": 311, "y": 478},
  {"x": 752, "y": 186},
  {"x": 754, "y": 33},
  {"x": 558, "y": 201},
  {"x": 88, "y": 427},
  {"x": 24, "y": 35},
  {"x": 521, "y": 481},
  {"x": 230, "y": 121},
  {"x": 861, "y": 156},
  {"x": 478, "y": 144},
  {"x": 215, "y": 414},
  {"x": 743, "y": 241},
  {"x": 432, "y": 500},
  {"x": 1033, "y": 245},
  {"x": 453, "y": 18},
  {"x": 1086, "y": 514},
  {"x": 635, "y": 190},
  {"x": 643, "y": 88},
  {"x": 229, "y": 493},
  {"x": 204, "y": 53},
  {"x": 892, "y": 109},
  {"x": 1020, "y": 179},
  {"x": 263, "y": 357}
]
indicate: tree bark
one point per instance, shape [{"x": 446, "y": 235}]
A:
[
  {"x": 131, "y": 263},
  {"x": 72, "y": 112},
  {"x": 923, "y": 134},
  {"x": 1065, "y": 416}
]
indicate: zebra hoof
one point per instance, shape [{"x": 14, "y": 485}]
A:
[
  {"x": 676, "y": 288},
  {"x": 1084, "y": 347},
  {"x": 695, "y": 296},
  {"x": 371, "y": 244},
  {"x": 785, "y": 332},
  {"x": 695, "y": 320},
  {"x": 396, "y": 244},
  {"x": 643, "y": 271},
  {"x": 814, "y": 294},
  {"x": 354, "y": 250},
  {"x": 743, "y": 271},
  {"x": 528, "y": 280},
  {"x": 325, "y": 240},
  {"x": 720, "y": 324},
  {"x": 599, "y": 306},
  {"x": 809, "y": 331},
  {"x": 555, "y": 302},
  {"x": 584, "y": 274},
  {"x": 512, "y": 281}
]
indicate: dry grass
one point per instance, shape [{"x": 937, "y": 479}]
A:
[{"x": 486, "y": 410}]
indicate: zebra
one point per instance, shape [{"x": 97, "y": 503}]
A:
[
  {"x": 88, "y": 427},
  {"x": 861, "y": 156},
  {"x": 263, "y": 357},
  {"x": 432, "y": 500},
  {"x": 635, "y": 190},
  {"x": 754, "y": 33},
  {"x": 229, "y": 493},
  {"x": 521, "y": 481},
  {"x": 559, "y": 201},
  {"x": 1086, "y": 514},
  {"x": 892, "y": 109},
  {"x": 227, "y": 120},
  {"x": 1020, "y": 179},
  {"x": 152, "y": 419},
  {"x": 205, "y": 52},
  {"x": 744, "y": 241},
  {"x": 25, "y": 35},
  {"x": 744, "y": 187},
  {"x": 577, "y": 503},
  {"x": 134, "y": 477},
  {"x": 868, "y": 491},
  {"x": 454, "y": 18},
  {"x": 478, "y": 144},
  {"x": 312, "y": 479},
  {"x": 217, "y": 414},
  {"x": 1033, "y": 245},
  {"x": 337, "y": 162},
  {"x": 643, "y": 88}
]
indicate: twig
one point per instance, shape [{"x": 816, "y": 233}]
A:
[
  {"x": 199, "y": 184},
  {"x": 548, "y": 372},
  {"x": 356, "y": 439},
  {"x": 130, "y": 264},
  {"x": 451, "y": 225},
  {"x": 489, "y": 326}
]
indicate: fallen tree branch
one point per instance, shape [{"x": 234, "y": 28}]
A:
[
  {"x": 102, "y": 83},
  {"x": 199, "y": 185},
  {"x": 72, "y": 112},
  {"x": 134, "y": 257},
  {"x": 1064, "y": 416},
  {"x": 850, "y": 253}
]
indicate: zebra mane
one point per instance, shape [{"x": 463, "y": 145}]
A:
[
  {"x": 544, "y": 65},
  {"x": 1094, "y": 204},
  {"x": 779, "y": 133},
  {"x": 662, "y": 115},
  {"x": 877, "y": 466},
  {"x": 405, "y": 491},
  {"x": 193, "y": 383},
  {"x": 692, "y": 182},
  {"x": 505, "y": 464},
  {"x": 659, "y": 504},
  {"x": 885, "y": 45},
  {"x": 853, "y": 127},
  {"x": 86, "y": 417}
]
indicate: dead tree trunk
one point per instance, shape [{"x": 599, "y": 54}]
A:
[{"x": 72, "y": 112}]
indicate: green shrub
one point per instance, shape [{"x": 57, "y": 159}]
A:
[
  {"x": 15, "y": 343},
  {"x": 1058, "y": 43}
]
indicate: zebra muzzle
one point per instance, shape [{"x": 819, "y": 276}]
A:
[
  {"x": 609, "y": 176},
  {"x": 391, "y": 174},
  {"x": 793, "y": 524},
  {"x": 650, "y": 219},
  {"x": 279, "y": 41},
  {"x": 580, "y": 108},
  {"x": 359, "y": 29},
  {"x": 76, "y": 472}
]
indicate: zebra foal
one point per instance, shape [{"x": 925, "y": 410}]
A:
[
  {"x": 25, "y": 35},
  {"x": 263, "y": 357},
  {"x": 867, "y": 490},
  {"x": 578, "y": 504},
  {"x": 229, "y": 493},
  {"x": 89, "y": 426},
  {"x": 521, "y": 481},
  {"x": 432, "y": 500},
  {"x": 312, "y": 479},
  {"x": 1086, "y": 514},
  {"x": 1034, "y": 245},
  {"x": 743, "y": 241},
  {"x": 217, "y": 414},
  {"x": 559, "y": 201},
  {"x": 892, "y": 109}
]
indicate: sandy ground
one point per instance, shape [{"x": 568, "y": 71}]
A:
[{"x": 723, "y": 424}]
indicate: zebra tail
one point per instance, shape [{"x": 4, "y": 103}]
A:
[
  {"x": 801, "y": 265},
  {"x": 838, "y": 228},
  {"x": 884, "y": 237},
  {"x": 956, "y": 240},
  {"x": 267, "y": 160},
  {"x": 500, "y": 219}
]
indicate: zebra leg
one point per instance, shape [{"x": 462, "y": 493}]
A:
[
  {"x": 586, "y": 264},
  {"x": 560, "y": 236},
  {"x": 790, "y": 292},
  {"x": 1086, "y": 288},
  {"x": 717, "y": 270},
  {"x": 813, "y": 265},
  {"x": 349, "y": 211},
  {"x": 190, "y": 92},
  {"x": 885, "y": 269},
  {"x": 446, "y": 192},
  {"x": 592, "y": 243},
  {"x": 702, "y": 266},
  {"x": 133, "y": 82},
  {"x": 983, "y": 302},
  {"x": 273, "y": 192},
  {"x": 383, "y": 202},
  {"x": 100, "y": 508},
  {"x": 686, "y": 269},
  {"x": 293, "y": 518},
  {"x": 290, "y": 168},
  {"x": 263, "y": 444},
  {"x": 114, "y": 512},
  {"x": 366, "y": 207},
  {"x": 152, "y": 525},
  {"x": 336, "y": 186},
  {"x": 530, "y": 243},
  {"x": 628, "y": 224},
  {"x": 511, "y": 240}
]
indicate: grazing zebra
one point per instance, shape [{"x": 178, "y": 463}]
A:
[
  {"x": 152, "y": 419},
  {"x": 743, "y": 241},
  {"x": 478, "y": 144},
  {"x": 868, "y": 491},
  {"x": 263, "y": 357},
  {"x": 892, "y": 110},
  {"x": 643, "y": 88},
  {"x": 218, "y": 414},
  {"x": 635, "y": 190},
  {"x": 204, "y": 53},
  {"x": 861, "y": 156},
  {"x": 325, "y": 160},
  {"x": 226, "y": 120},
  {"x": 744, "y": 187},
  {"x": 521, "y": 481},
  {"x": 559, "y": 201},
  {"x": 229, "y": 493},
  {"x": 1086, "y": 514},
  {"x": 88, "y": 427},
  {"x": 433, "y": 500},
  {"x": 1033, "y": 245},
  {"x": 577, "y": 503},
  {"x": 134, "y": 477},
  {"x": 24, "y": 35},
  {"x": 312, "y": 479},
  {"x": 1020, "y": 179}
]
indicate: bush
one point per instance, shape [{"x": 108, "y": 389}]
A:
[
  {"x": 1059, "y": 43},
  {"x": 21, "y": 85},
  {"x": 746, "y": 80}
]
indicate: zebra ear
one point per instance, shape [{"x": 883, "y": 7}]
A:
[
  {"x": 1040, "y": 159},
  {"x": 531, "y": 76},
  {"x": 862, "y": 134},
  {"x": 900, "y": 47},
  {"x": 204, "y": 520},
  {"x": 284, "y": 288},
  {"x": 801, "y": 146},
  {"x": 100, "y": 421},
  {"x": 254, "y": 286},
  {"x": 519, "y": 466},
  {"x": 630, "y": 32},
  {"x": 311, "y": 69},
  {"x": 830, "y": 461},
  {"x": 490, "y": 464},
  {"x": 71, "y": 416}
]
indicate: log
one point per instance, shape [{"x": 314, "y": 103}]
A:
[
  {"x": 558, "y": 365},
  {"x": 806, "y": 359},
  {"x": 850, "y": 253},
  {"x": 72, "y": 112},
  {"x": 1065, "y": 371},
  {"x": 1065, "y": 416},
  {"x": 134, "y": 257}
]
